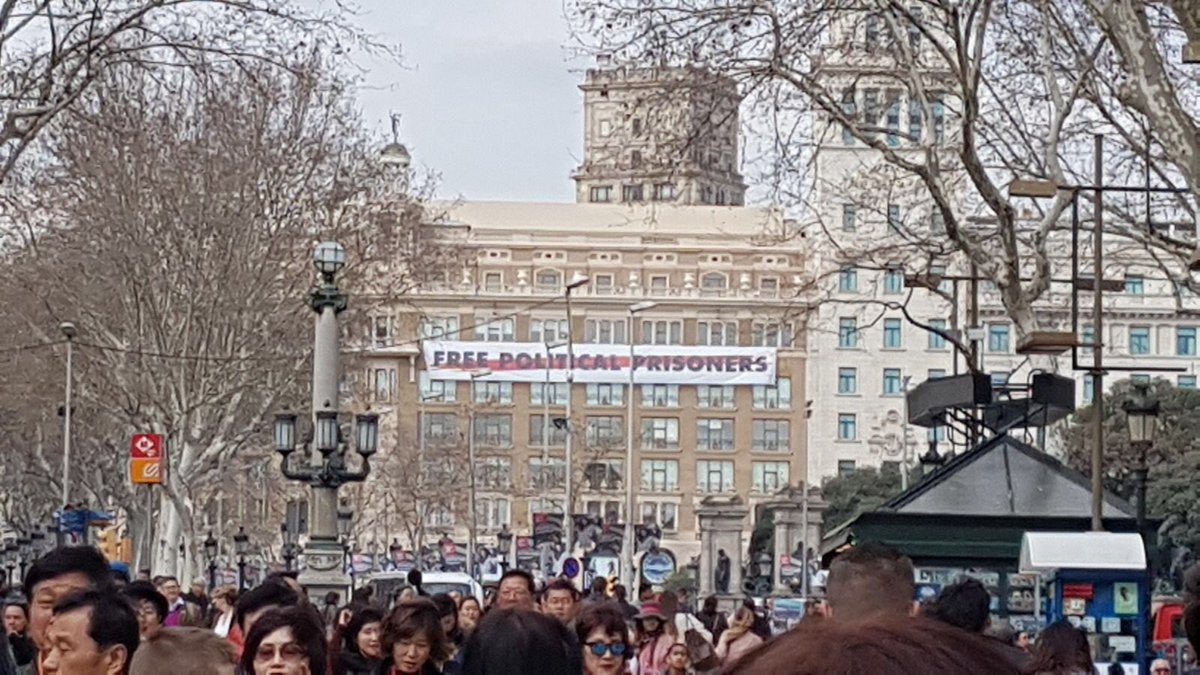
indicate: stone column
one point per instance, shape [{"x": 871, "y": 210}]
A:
[
  {"x": 797, "y": 527},
  {"x": 722, "y": 521}
]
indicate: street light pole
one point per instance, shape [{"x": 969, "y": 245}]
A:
[
  {"x": 1141, "y": 415},
  {"x": 69, "y": 331},
  {"x": 471, "y": 496},
  {"x": 576, "y": 281},
  {"x": 1098, "y": 339},
  {"x": 630, "y": 486}
]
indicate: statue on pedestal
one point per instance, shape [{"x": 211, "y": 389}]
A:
[{"x": 721, "y": 573}]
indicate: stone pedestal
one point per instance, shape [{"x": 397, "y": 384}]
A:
[
  {"x": 722, "y": 521},
  {"x": 798, "y": 520}
]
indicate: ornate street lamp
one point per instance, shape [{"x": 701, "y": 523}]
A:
[
  {"x": 10, "y": 561},
  {"x": 210, "y": 554},
  {"x": 1141, "y": 414},
  {"x": 504, "y": 539},
  {"x": 290, "y": 548},
  {"x": 25, "y": 550},
  {"x": 241, "y": 548},
  {"x": 345, "y": 522},
  {"x": 37, "y": 544}
]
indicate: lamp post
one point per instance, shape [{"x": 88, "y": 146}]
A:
[
  {"x": 69, "y": 331},
  {"x": 472, "y": 511},
  {"x": 290, "y": 547},
  {"x": 577, "y": 280},
  {"x": 1141, "y": 414},
  {"x": 210, "y": 554},
  {"x": 345, "y": 522},
  {"x": 25, "y": 549},
  {"x": 37, "y": 543},
  {"x": 504, "y": 540},
  {"x": 627, "y": 545},
  {"x": 325, "y": 469},
  {"x": 241, "y": 548},
  {"x": 10, "y": 562}
]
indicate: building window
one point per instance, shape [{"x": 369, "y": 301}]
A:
[
  {"x": 713, "y": 283},
  {"x": 714, "y": 434},
  {"x": 601, "y": 193},
  {"x": 636, "y": 126},
  {"x": 849, "y": 217},
  {"x": 768, "y": 287},
  {"x": 937, "y": 228},
  {"x": 771, "y": 334},
  {"x": 547, "y": 474},
  {"x": 608, "y": 510},
  {"x": 848, "y": 280},
  {"x": 1139, "y": 378},
  {"x": 717, "y": 333},
  {"x": 439, "y": 327},
  {"x": 771, "y": 436},
  {"x": 494, "y": 473},
  {"x": 935, "y": 374},
  {"x": 438, "y": 516},
  {"x": 893, "y": 281},
  {"x": 1089, "y": 388},
  {"x": 605, "y": 431},
  {"x": 939, "y": 121},
  {"x": 660, "y": 475},
  {"x": 660, "y": 396},
  {"x": 892, "y": 382},
  {"x": 663, "y": 514},
  {"x": 496, "y": 393},
  {"x": 892, "y": 334},
  {"x": 714, "y": 396},
  {"x": 557, "y": 391},
  {"x": 998, "y": 338},
  {"x": 632, "y": 193},
  {"x": 847, "y": 429},
  {"x": 660, "y": 433},
  {"x": 489, "y": 329},
  {"x": 894, "y": 218},
  {"x": 605, "y": 394},
  {"x": 871, "y": 33},
  {"x": 1185, "y": 341},
  {"x": 1187, "y": 381},
  {"x": 438, "y": 391},
  {"x": 769, "y": 477},
  {"x": 935, "y": 434},
  {"x": 539, "y": 427},
  {"x": 441, "y": 428},
  {"x": 664, "y": 192},
  {"x": 1087, "y": 336},
  {"x": 493, "y": 281},
  {"x": 893, "y": 118},
  {"x": 493, "y": 430},
  {"x": 845, "y": 468},
  {"x": 714, "y": 476},
  {"x": 383, "y": 383},
  {"x": 847, "y": 332},
  {"x": 937, "y": 339},
  {"x": 494, "y": 512},
  {"x": 604, "y": 474},
  {"x": 1139, "y": 339},
  {"x": 870, "y": 112},
  {"x": 778, "y": 397},
  {"x": 602, "y": 284},
  {"x": 847, "y": 380},
  {"x": 547, "y": 330},
  {"x": 604, "y": 331},
  {"x": 381, "y": 331},
  {"x": 850, "y": 112},
  {"x": 1000, "y": 380},
  {"x": 1135, "y": 284},
  {"x": 914, "y": 120},
  {"x": 548, "y": 280},
  {"x": 660, "y": 284},
  {"x": 662, "y": 332}
]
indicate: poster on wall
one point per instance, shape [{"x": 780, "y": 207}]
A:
[
  {"x": 600, "y": 364},
  {"x": 1125, "y": 597}
]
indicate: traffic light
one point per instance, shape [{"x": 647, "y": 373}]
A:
[{"x": 109, "y": 542}]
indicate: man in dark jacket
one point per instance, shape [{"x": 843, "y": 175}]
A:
[
  {"x": 713, "y": 619},
  {"x": 967, "y": 605}
]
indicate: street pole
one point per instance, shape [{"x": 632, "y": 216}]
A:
[
  {"x": 471, "y": 482},
  {"x": 903, "y": 448},
  {"x": 568, "y": 522},
  {"x": 630, "y": 485},
  {"x": 69, "y": 331},
  {"x": 1098, "y": 339},
  {"x": 804, "y": 545}
]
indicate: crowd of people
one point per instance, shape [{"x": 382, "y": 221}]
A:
[{"x": 76, "y": 615}]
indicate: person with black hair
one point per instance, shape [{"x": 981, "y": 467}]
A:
[
  {"x": 54, "y": 576},
  {"x": 16, "y": 625},
  {"x": 253, "y": 604},
  {"x": 414, "y": 642},
  {"x": 516, "y": 590},
  {"x": 289, "y": 578},
  {"x": 521, "y": 642},
  {"x": 964, "y": 604},
  {"x": 286, "y": 641},
  {"x": 150, "y": 605},
  {"x": 91, "y": 633},
  {"x": 448, "y": 611},
  {"x": 560, "y": 597},
  {"x": 356, "y": 648}
]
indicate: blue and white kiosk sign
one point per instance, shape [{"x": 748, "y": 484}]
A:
[{"x": 657, "y": 566}]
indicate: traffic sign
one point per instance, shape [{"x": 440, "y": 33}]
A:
[
  {"x": 146, "y": 446},
  {"x": 146, "y": 471}
]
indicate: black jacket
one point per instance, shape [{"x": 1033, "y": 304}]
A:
[
  {"x": 385, "y": 668},
  {"x": 353, "y": 663}
]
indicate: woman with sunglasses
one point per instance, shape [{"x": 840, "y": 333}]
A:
[
  {"x": 286, "y": 641},
  {"x": 604, "y": 637}
]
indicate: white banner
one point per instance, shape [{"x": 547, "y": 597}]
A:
[{"x": 655, "y": 364}]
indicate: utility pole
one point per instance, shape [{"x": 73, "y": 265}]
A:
[{"x": 1098, "y": 336}]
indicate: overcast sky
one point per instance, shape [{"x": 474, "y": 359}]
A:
[{"x": 487, "y": 95}]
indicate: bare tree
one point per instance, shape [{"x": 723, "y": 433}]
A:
[
  {"x": 172, "y": 218},
  {"x": 947, "y": 102}
]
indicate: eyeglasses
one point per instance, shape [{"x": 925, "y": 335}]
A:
[
  {"x": 1161, "y": 669},
  {"x": 601, "y": 648}
]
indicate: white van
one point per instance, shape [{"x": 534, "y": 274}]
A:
[{"x": 387, "y": 584}]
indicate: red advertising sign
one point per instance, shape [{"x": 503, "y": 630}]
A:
[{"x": 146, "y": 446}]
